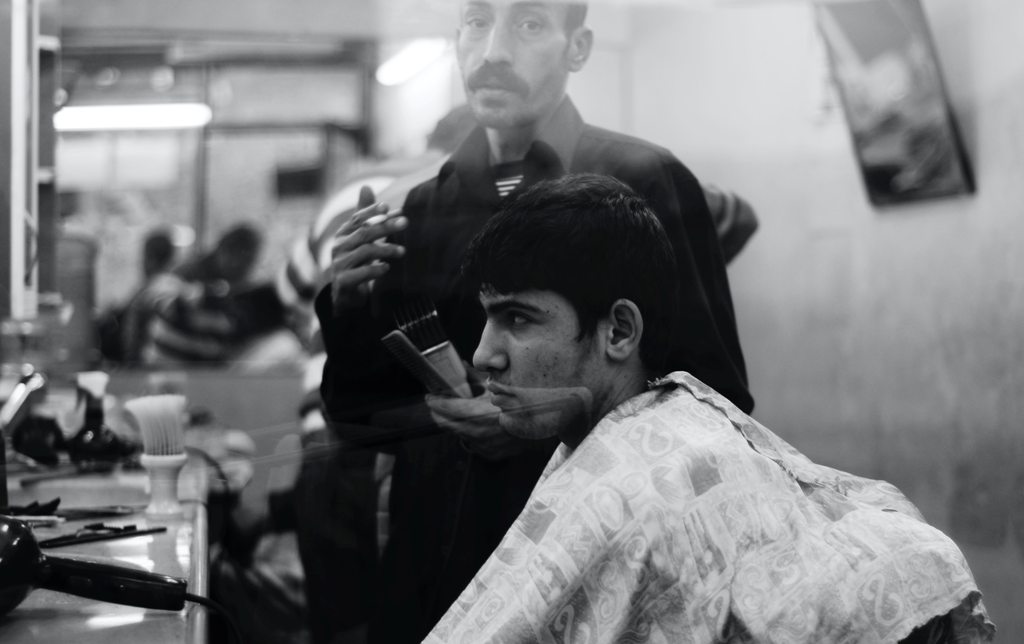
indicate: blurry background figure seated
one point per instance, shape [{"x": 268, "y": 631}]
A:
[
  {"x": 124, "y": 329},
  {"x": 210, "y": 313}
]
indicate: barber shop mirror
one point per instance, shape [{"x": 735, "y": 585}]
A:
[{"x": 904, "y": 132}]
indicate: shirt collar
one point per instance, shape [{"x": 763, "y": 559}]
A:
[{"x": 561, "y": 134}]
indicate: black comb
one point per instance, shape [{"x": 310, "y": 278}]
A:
[{"x": 422, "y": 346}]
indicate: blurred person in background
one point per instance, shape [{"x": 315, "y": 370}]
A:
[
  {"x": 124, "y": 329},
  {"x": 158, "y": 258},
  {"x": 459, "y": 480},
  {"x": 231, "y": 262},
  {"x": 215, "y": 311}
]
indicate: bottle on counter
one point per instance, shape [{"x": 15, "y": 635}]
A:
[{"x": 96, "y": 447}]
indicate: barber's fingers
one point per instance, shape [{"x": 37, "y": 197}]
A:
[
  {"x": 374, "y": 234},
  {"x": 351, "y": 237},
  {"x": 360, "y": 254},
  {"x": 357, "y": 277},
  {"x": 366, "y": 254},
  {"x": 352, "y": 273},
  {"x": 366, "y": 210},
  {"x": 456, "y": 408},
  {"x": 359, "y": 217},
  {"x": 366, "y": 197},
  {"x": 365, "y": 207}
]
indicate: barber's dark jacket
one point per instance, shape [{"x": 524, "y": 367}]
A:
[{"x": 449, "y": 508}]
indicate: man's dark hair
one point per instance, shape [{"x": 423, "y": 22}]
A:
[
  {"x": 241, "y": 238},
  {"x": 590, "y": 239},
  {"x": 157, "y": 252},
  {"x": 236, "y": 252},
  {"x": 575, "y": 16}
]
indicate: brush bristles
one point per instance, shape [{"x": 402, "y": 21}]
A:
[
  {"x": 161, "y": 422},
  {"x": 419, "y": 321}
]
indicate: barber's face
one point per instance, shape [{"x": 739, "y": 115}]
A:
[
  {"x": 540, "y": 375},
  {"x": 515, "y": 59}
]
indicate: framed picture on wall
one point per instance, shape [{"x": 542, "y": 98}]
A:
[{"x": 904, "y": 132}]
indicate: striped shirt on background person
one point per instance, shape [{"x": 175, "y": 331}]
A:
[{"x": 187, "y": 325}]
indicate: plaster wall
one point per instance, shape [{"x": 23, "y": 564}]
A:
[{"x": 884, "y": 341}]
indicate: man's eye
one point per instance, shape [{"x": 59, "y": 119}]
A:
[
  {"x": 518, "y": 319},
  {"x": 477, "y": 23},
  {"x": 531, "y": 27}
]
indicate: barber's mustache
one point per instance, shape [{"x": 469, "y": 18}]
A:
[{"x": 493, "y": 76}]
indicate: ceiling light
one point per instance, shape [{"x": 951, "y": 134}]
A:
[
  {"x": 411, "y": 60},
  {"x": 161, "y": 116}
]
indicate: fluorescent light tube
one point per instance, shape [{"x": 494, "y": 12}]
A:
[
  {"x": 411, "y": 60},
  {"x": 159, "y": 116}
]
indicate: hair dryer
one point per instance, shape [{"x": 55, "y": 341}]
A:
[{"x": 24, "y": 567}]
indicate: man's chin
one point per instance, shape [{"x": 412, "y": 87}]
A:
[
  {"x": 526, "y": 426},
  {"x": 537, "y": 414},
  {"x": 496, "y": 110}
]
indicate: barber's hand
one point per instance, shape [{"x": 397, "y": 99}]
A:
[
  {"x": 475, "y": 421},
  {"x": 359, "y": 253}
]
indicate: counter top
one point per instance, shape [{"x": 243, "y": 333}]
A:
[{"x": 180, "y": 551}]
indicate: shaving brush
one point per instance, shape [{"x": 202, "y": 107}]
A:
[{"x": 161, "y": 421}]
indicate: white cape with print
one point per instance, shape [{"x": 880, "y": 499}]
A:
[{"x": 681, "y": 519}]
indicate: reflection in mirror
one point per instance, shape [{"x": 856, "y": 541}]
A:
[
  {"x": 196, "y": 135},
  {"x": 904, "y": 132}
]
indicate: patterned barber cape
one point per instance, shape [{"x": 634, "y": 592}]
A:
[{"x": 681, "y": 519}]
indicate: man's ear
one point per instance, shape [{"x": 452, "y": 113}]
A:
[
  {"x": 581, "y": 42},
  {"x": 625, "y": 330}
]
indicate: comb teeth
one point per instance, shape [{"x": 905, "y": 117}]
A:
[
  {"x": 419, "y": 321},
  {"x": 161, "y": 423}
]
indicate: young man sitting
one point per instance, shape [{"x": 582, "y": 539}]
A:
[{"x": 667, "y": 514}]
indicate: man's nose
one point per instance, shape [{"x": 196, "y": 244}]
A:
[
  {"x": 499, "y": 45},
  {"x": 489, "y": 356}
]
